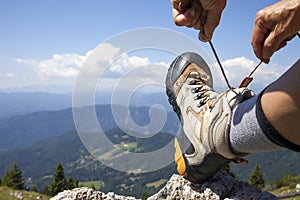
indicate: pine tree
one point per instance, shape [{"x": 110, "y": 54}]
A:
[
  {"x": 70, "y": 183},
  {"x": 144, "y": 196},
  {"x": 93, "y": 186},
  {"x": 34, "y": 188},
  {"x": 58, "y": 183},
  {"x": 256, "y": 178},
  {"x": 13, "y": 178}
]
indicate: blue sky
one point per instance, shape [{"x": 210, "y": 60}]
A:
[{"x": 33, "y": 31}]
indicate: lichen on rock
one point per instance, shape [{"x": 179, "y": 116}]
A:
[{"x": 220, "y": 186}]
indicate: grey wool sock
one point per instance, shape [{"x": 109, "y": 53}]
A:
[{"x": 246, "y": 134}]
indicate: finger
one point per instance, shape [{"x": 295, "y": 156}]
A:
[
  {"x": 197, "y": 24},
  {"x": 282, "y": 44},
  {"x": 272, "y": 43},
  {"x": 257, "y": 42},
  {"x": 202, "y": 35},
  {"x": 259, "y": 35},
  {"x": 210, "y": 23},
  {"x": 183, "y": 18},
  {"x": 182, "y": 13},
  {"x": 198, "y": 10}
]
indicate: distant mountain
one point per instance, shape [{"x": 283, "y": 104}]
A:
[
  {"x": 20, "y": 103},
  {"x": 12, "y": 104},
  {"x": 39, "y": 161},
  {"x": 273, "y": 165},
  {"x": 24, "y": 130}
]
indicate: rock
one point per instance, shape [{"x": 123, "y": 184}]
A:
[
  {"x": 221, "y": 186},
  {"x": 84, "y": 193},
  {"x": 298, "y": 188}
]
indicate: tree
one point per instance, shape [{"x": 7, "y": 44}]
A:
[
  {"x": 144, "y": 196},
  {"x": 93, "y": 186},
  {"x": 13, "y": 178},
  {"x": 58, "y": 183},
  {"x": 34, "y": 188},
  {"x": 256, "y": 178},
  {"x": 70, "y": 183}
]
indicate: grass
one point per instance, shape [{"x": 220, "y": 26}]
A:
[
  {"x": 284, "y": 190},
  {"x": 97, "y": 184},
  {"x": 156, "y": 184},
  {"x": 284, "y": 186},
  {"x": 7, "y": 194},
  {"x": 129, "y": 146}
]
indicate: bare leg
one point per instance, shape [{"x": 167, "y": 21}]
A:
[
  {"x": 271, "y": 120},
  {"x": 281, "y": 104}
]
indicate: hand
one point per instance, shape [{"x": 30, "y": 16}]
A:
[
  {"x": 213, "y": 11},
  {"x": 203, "y": 15},
  {"x": 274, "y": 26}
]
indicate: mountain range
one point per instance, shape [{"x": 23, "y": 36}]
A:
[
  {"x": 20, "y": 103},
  {"x": 23, "y": 130},
  {"x": 39, "y": 160},
  {"x": 39, "y": 138}
]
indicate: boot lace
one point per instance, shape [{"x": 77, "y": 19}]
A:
[{"x": 201, "y": 90}]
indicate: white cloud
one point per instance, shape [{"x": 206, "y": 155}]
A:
[
  {"x": 105, "y": 61},
  {"x": 7, "y": 75},
  {"x": 125, "y": 62},
  {"x": 69, "y": 65},
  {"x": 59, "y": 65},
  {"x": 108, "y": 61},
  {"x": 239, "y": 61},
  {"x": 238, "y": 68}
]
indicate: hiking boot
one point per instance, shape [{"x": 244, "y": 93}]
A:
[{"x": 205, "y": 116}]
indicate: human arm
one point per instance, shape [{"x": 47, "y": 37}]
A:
[{"x": 274, "y": 26}]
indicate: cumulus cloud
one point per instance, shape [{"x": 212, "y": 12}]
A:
[
  {"x": 59, "y": 65},
  {"x": 125, "y": 62},
  {"x": 104, "y": 59},
  {"x": 109, "y": 62},
  {"x": 240, "y": 67},
  {"x": 7, "y": 75},
  {"x": 103, "y": 62}
]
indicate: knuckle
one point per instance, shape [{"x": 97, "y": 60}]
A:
[{"x": 261, "y": 16}]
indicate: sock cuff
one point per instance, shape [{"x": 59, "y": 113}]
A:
[{"x": 270, "y": 132}]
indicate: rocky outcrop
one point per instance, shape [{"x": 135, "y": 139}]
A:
[
  {"x": 84, "y": 193},
  {"x": 221, "y": 186}
]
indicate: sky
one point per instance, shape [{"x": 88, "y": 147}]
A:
[{"x": 47, "y": 43}]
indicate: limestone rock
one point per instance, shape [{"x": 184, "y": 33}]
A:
[
  {"x": 221, "y": 186},
  {"x": 84, "y": 193}
]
